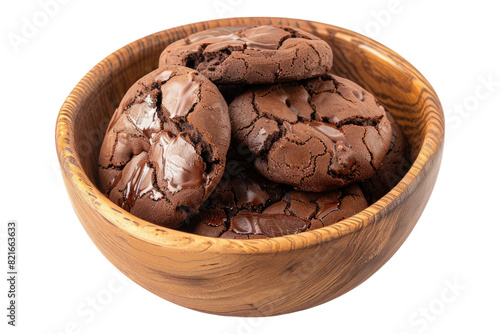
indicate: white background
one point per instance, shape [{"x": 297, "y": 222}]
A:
[{"x": 61, "y": 273}]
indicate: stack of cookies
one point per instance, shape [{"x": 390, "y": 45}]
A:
[{"x": 242, "y": 133}]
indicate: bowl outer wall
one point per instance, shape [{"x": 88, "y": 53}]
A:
[{"x": 266, "y": 276}]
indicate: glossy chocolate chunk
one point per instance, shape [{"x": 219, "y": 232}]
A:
[{"x": 165, "y": 148}]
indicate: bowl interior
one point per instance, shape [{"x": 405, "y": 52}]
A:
[{"x": 389, "y": 77}]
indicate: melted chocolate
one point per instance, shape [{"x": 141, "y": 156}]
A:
[
  {"x": 182, "y": 166},
  {"x": 140, "y": 183},
  {"x": 145, "y": 117},
  {"x": 260, "y": 139},
  {"x": 214, "y": 217},
  {"x": 228, "y": 35},
  {"x": 326, "y": 208},
  {"x": 298, "y": 101},
  {"x": 115, "y": 181},
  {"x": 327, "y": 129},
  {"x": 163, "y": 76},
  {"x": 272, "y": 225},
  {"x": 248, "y": 190},
  {"x": 256, "y": 33},
  {"x": 220, "y": 32},
  {"x": 179, "y": 97},
  {"x": 211, "y": 223}
]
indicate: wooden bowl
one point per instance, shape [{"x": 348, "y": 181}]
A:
[{"x": 252, "y": 277}]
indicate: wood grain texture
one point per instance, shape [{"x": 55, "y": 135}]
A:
[{"x": 252, "y": 277}]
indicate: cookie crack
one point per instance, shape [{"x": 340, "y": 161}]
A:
[
  {"x": 254, "y": 120},
  {"x": 111, "y": 166},
  {"x": 368, "y": 149},
  {"x": 360, "y": 121},
  {"x": 194, "y": 58},
  {"x": 288, "y": 203},
  {"x": 156, "y": 185},
  {"x": 341, "y": 199},
  {"x": 294, "y": 33},
  {"x": 165, "y": 195},
  {"x": 313, "y": 159},
  {"x": 283, "y": 39},
  {"x": 377, "y": 127},
  {"x": 113, "y": 150},
  {"x": 159, "y": 107},
  {"x": 306, "y": 66},
  {"x": 295, "y": 58},
  {"x": 315, "y": 51},
  {"x": 245, "y": 62},
  {"x": 313, "y": 162},
  {"x": 278, "y": 73}
]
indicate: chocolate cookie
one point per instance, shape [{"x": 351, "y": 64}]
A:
[
  {"x": 251, "y": 55},
  {"x": 165, "y": 148},
  {"x": 394, "y": 166},
  {"x": 316, "y": 135},
  {"x": 249, "y": 206}
]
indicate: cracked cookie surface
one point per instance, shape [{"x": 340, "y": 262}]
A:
[
  {"x": 165, "y": 147},
  {"x": 394, "y": 166},
  {"x": 317, "y": 134},
  {"x": 247, "y": 206},
  {"x": 251, "y": 55}
]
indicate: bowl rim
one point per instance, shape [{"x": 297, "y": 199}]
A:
[{"x": 76, "y": 178}]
